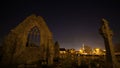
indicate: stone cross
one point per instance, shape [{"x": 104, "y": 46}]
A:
[{"x": 107, "y": 34}]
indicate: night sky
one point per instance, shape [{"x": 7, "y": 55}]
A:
[{"x": 71, "y": 22}]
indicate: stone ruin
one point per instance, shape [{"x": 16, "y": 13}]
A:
[{"x": 31, "y": 42}]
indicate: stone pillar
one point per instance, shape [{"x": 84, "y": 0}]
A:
[
  {"x": 56, "y": 50},
  {"x": 107, "y": 34},
  {"x": 50, "y": 52}
]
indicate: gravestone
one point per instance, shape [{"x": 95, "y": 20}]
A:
[{"x": 107, "y": 35}]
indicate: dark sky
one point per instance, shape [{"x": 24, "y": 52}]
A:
[{"x": 71, "y": 22}]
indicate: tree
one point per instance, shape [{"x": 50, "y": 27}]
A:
[{"x": 87, "y": 49}]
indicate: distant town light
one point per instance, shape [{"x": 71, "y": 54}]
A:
[
  {"x": 104, "y": 50},
  {"x": 97, "y": 49}
]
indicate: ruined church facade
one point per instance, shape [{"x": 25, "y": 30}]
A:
[{"x": 29, "y": 43}]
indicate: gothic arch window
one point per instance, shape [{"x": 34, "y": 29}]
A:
[{"x": 33, "y": 39}]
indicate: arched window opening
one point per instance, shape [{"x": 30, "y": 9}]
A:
[{"x": 33, "y": 39}]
